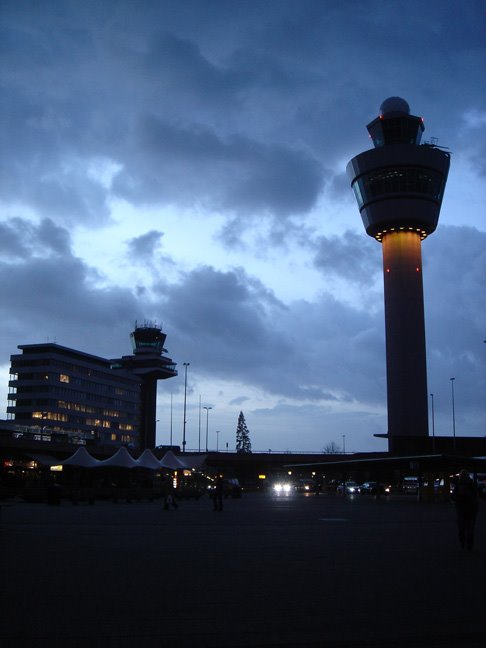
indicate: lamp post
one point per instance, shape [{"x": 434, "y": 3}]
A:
[
  {"x": 171, "y": 418},
  {"x": 199, "y": 427},
  {"x": 344, "y": 444},
  {"x": 217, "y": 440},
  {"x": 207, "y": 424},
  {"x": 185, "y": 364},
  {"x": 453, "y": 413},
  {"x": 433, "y": 421}
]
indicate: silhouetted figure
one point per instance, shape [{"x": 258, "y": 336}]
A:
[
  {"x": 169, "y": 497},
  {"x": 465, "y": 496},
  {"x": 218, "y": 494}
]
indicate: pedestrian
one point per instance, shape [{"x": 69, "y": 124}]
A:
[
  {"x": 169, "y": 496},
  {"x": 218, "y": 493},
  {"x": 465, "y": 496}
]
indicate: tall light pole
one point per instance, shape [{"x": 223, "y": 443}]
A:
[
  {"x": 453, "y": 413},
  {"x": 207, "y": 424},
  {"x": 171, "y": 418},
  {"x": 186, "y": 364},
  {"x": 344, "y": 444},
  {"x": 433, "y": 421},
  {"x": 217, "y": 440},
  {"x": 199, "y": 427}
]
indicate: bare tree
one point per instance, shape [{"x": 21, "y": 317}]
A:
[{"x": 331, "y": 448}]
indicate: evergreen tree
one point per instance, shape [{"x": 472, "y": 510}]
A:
[{"x": 243, "y": 443}]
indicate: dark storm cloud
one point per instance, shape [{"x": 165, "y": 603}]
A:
[
  {"x": 20, "y": 238},
  {"x": 455, "y": 313},
  {"x": 236, "y": 174},
  {"x": 249, "y": 103},
  {"x": 232, "y": 327},
  {"x": 350, "y": 256},
  {"x": 48, "y": 293},
  {"x": 145, "y": 245}
]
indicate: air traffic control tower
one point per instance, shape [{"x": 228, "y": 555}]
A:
[
  {"x": 399, "y": 187},
  {"x": 149, "y": 363}
]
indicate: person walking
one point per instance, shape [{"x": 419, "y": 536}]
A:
[
  {"x": 465, "y": 497},
  {"x": 169, "y": 496},
  {"x": 218, "y": 493}
]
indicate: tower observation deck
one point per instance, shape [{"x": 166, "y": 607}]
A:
[{"x": 399, "y": 187}]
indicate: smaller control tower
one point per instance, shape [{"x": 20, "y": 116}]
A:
[
  {"x": 399, "y": 187},
  {"x": 149, "y": 363}
]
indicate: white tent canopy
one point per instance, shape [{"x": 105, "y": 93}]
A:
[
  {"x": 148, "y": 460},
  {"x": 81, "y": 458},
  {"x": 121, "y": 459},
  {"x": 169, "y": 460}
]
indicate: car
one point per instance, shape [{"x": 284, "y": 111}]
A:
[
  {"x": 375, "y": 488},
  {"x": 350, "y": 488},
  {"x": 368, "y": 488},
  {"x": 282, "y": 488},
  {"x": 305, "y": 486}
]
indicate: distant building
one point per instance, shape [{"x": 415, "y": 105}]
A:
[{"x": 76, "y": 397}]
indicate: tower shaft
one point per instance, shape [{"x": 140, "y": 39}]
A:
[{"x": 405, "y": 335}]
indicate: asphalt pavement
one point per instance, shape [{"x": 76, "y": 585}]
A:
[{"x": 296, "y": 571}]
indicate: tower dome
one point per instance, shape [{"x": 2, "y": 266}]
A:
[{"x": 394, "y": 105}]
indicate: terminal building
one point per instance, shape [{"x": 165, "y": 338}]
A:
[{"x": 60, "y": 394}]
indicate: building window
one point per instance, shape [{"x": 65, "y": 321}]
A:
[{"x": 64, "y": 378}]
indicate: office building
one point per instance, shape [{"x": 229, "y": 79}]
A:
[{"x": 72, "y": 396}]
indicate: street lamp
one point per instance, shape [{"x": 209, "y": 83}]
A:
[
  {"x": 185, "y": 364},
  {"x": 217, "y": 440},
  {"x": 171, "y": 419},
  {"x": 453, "y": 413},
  {"x": 433, "y": 421},
  {"x": 344, "y": 444},
  {"x": 207, "y": 424}
]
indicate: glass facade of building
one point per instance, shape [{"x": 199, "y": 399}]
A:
[{"x": 74, "y": 395}]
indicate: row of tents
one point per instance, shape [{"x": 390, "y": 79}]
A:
[{"x": 123, "y": 459}]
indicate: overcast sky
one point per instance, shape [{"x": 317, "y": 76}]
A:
[{"x": 184, "y": 161}]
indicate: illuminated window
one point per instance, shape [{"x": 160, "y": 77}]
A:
[
  {"x": 398, "y": 180},
  {"x": 64, "y": 378}
]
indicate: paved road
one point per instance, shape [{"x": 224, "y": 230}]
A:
[{"x": 283, "y": 572}]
